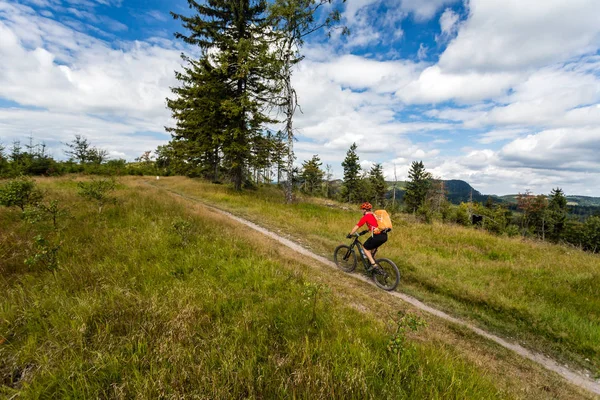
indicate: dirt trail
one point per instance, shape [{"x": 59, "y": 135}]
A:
[{"x": 575, "y": 377}]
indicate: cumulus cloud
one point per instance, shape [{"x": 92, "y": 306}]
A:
[
  {"x": 434, "y": 85},
  {"x": 67, "y": 72},
  {"x": 518, "y": 35}
]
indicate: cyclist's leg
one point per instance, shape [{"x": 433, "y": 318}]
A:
[{"x": 373, "y": 243}]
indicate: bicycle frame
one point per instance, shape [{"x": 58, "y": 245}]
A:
[{"x": 361, "y": 251}]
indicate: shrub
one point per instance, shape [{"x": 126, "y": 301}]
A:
[
  {"x": 183, "y": 229},
  {"x": 98, "y": 190},
  {"x": 398, "y": 342},
  {"x": 20, "y": 192}
]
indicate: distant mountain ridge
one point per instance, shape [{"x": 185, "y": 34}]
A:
[
  {"x": 581, "y": 201},
  {"x": 458, "y": 191}
]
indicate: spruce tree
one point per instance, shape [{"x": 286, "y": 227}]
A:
[
  {"x": 378, "y": 185},
  {"x": 312, "y": 175},
  {"x": 199, "y": 134},
  {"x": 238, "y": 65},
  {"x": 417, "y": 186},
  {"x": 350, "y": 188},
  {"x": 557, "y": 207}
]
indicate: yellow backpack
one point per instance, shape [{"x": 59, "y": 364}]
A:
[{"x": 384, "y": 222}]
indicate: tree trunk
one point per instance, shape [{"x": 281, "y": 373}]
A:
[
  {"x": 216, "y": 177},
  {"x": 289, "y": 114}
]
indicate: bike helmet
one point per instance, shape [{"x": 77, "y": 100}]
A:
[{"x": 366, "y": 206}]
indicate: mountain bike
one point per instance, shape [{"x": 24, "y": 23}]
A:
[{"x": 385, "y": 275}]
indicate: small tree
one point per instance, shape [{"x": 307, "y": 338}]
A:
[
  {"x": 591, "y": 234},
  {"x": 351, "y": 176},
  {"x": 81, "y": 150},
  {"x": 534, "y": 212},
  {"x": 312, "y": 175},
  {"x": 3, "y": 160},
  {"x": 557, "y": 213},
  {"x": 417, "y": 186},
  {"x": 98, "y": 190},
  {"x": 20, "y": 192},
  {"x": 97, "y": 156},
  {"x": 78, "y": 149},
  {"x": 378, "y": 185},
  {"x": 436, "y": 203}
]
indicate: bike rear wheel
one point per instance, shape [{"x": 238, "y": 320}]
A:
[
  {"x": 345, "y": 258},
  {"x": 387, "y": 276}
]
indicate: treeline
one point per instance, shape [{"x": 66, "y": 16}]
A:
[{"x": 33, "y": 159}]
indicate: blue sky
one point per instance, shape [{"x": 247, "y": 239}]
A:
[{"x": 504, "y": 94}]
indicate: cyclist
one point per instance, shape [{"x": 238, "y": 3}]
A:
[{"x": 376, "y": 239}]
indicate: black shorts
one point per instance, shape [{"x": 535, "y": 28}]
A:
[{"x": 375, "y": 241}]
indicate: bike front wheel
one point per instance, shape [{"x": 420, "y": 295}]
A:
[
  {"x": 345, "y": 258},
  {"x": 387, "y": 275}
]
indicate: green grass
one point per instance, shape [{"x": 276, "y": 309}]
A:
[
  {"x": 132, "y": 312},
  {"x": 545, "y": 295}
]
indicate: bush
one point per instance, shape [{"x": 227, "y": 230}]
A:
[
  {"x": 592, "y": 234},
  {"x": 512, "y": 230},
  {"x": 98, "y": 190},
  {"x": 20, "y": 192}
]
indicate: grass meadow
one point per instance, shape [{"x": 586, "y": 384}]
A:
[
  {"x": 157, "y": 297},
  {"x": 543, "y": 295}
]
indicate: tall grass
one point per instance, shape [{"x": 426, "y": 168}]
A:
[
  {"x": 137, "y": 310},
  {"x": 545, "y": 295}
]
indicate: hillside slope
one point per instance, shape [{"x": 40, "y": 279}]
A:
[{"x": 545, "y": 295}]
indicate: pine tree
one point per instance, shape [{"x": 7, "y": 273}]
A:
[
  {"x": 238, "y": 66},
  {"x": 79, "y": 149},
  {"x": 378, "y": 185},
  {"x": 82, "y": 151},
  {"x": 557, "y": 210},
  {"x": 312, "y": 175},
  {"x": 350, "y": 188},
  {"x": 199, "y": 134},
  {"x": 417, "y": 186}
]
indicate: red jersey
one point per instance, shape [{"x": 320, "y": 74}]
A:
[{"x": 370, "y": 220}]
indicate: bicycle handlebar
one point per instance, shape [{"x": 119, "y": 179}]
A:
[{"x": 357, "y": 234}]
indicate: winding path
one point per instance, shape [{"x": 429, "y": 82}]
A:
[{"x": 575, "y": 377}]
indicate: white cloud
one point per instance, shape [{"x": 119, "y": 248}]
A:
[
  {"x": 424, "y": 9},
  {"x": 59, "y": 69},
  {"x": 448, "y": 24},
  {"x": 422, "y": 53},
  {"x": 434, "y": 85},
  {"x": 518, "y": 35},
  {"x": 500, "y": 135},
  {"x": 559, "y": 149}
]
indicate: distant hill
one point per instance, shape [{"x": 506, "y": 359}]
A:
[
  {"x": 457, "y": 191},
  {"x": 580, "y": 201},
  {"x": 460, "y": 191}
]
